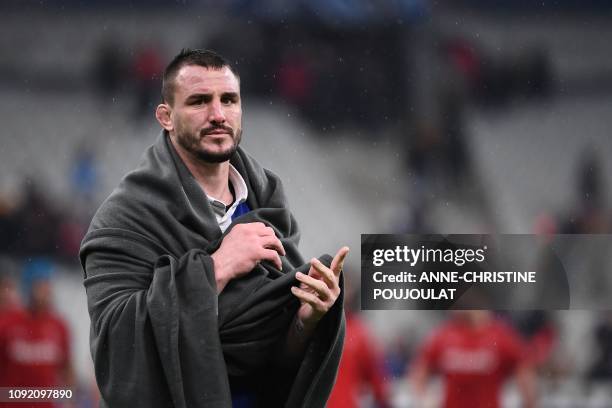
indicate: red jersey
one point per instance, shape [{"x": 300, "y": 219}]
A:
[
  {"x": 474, "y": 361},
  {"x": 8, "y": 317},
  {"x": 34, "y": 349},
  {"x": 360, "y": 365}
]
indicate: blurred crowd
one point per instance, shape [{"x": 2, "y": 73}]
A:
[{"x": 34, "y": 224}]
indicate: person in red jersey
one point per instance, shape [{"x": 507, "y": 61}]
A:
[
  {"x": 34, "y": 342},
  {"x": 10, "y": 310},
  {"x": 475, "y": 354},
  {"x": 360, "y": 365}
]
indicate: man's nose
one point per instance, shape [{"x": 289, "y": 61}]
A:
[{"x": 216, "y": 113}]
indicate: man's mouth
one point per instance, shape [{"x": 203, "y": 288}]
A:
[{"x": 218, "y": 132}]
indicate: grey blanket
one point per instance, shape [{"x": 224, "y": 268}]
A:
[{"x": 160, "y": 334}]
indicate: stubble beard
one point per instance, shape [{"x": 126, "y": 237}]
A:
[{"x": 191, "y": 144}]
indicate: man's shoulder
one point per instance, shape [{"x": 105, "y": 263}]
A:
[
  {"x": 262, "y": 182},
  {"x": 150, "y": 186},
  {"x": 249, "y": 167},
  {"x": 127, "y": 203}
]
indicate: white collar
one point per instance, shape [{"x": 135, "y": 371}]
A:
[{"x": 240, "y": 189}]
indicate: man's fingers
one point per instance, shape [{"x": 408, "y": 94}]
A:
[
  {"x": 272, "y": 256},
  {"x": 263, "y": 229},
  {"x": 258, "y": 228},
  {"x": 269, "y": 239},
  {"x": 271, "y": 242},
  {"x": 318, "y": 286},
  {"x": 338, "y": 262},
  {"x": 325, "y": 273},
  {"x": 309, "y": 298}
]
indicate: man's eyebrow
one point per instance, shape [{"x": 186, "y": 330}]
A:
[
  {"x": 207, "y": 95},
  {"x": 198, "y": 95}
]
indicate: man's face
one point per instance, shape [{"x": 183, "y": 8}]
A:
[
  {"x": 207, "y": 113},
  {"x": 41, "y": 294}
]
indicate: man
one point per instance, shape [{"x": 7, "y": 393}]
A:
[
  {"x": 361, "y": 365},
  {"x": 475, "y": 354},
  {"x": 34, "y": 341},
  {"x": 192, "y": 267}
]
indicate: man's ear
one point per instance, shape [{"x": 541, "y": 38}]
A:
[{"x": 163, "y": 114}]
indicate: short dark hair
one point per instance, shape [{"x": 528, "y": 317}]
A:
[{"x": 204, "y": 58}]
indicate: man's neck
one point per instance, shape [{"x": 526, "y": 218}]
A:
[{"x": 212, "y": 177}]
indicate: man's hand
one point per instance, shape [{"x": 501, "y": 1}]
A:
[
  {"x": 244, "y": 247},
  {"x": 318, "y": 290}
]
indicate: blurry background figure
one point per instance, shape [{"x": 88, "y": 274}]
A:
[
  {"x": 599, "y": 372},
  {"x": 7, "y": 224},
  {"x": 37, "y": 220},
  {"x": 10, "y": 312},
  {"x": 34, "y": 342},
  {"x": 590, "y": 212},
  {"x": 9, "y": 295},
  {"x": 295, "y": 79},
  {"x": 84, "y": 175},
  {"x": 361, "y": 368},
  {"x": 540, "y": 335},
  {"x": 147, "y": 69},
  {"x": 84, "y": 185},
  {"x": 601, "y": 367},
  {"x": 475, "y": 355},
  {"x": 399, "y": 354},
  {"x": 108, "y": 71},
  {"x": 33, "y": 225}
]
